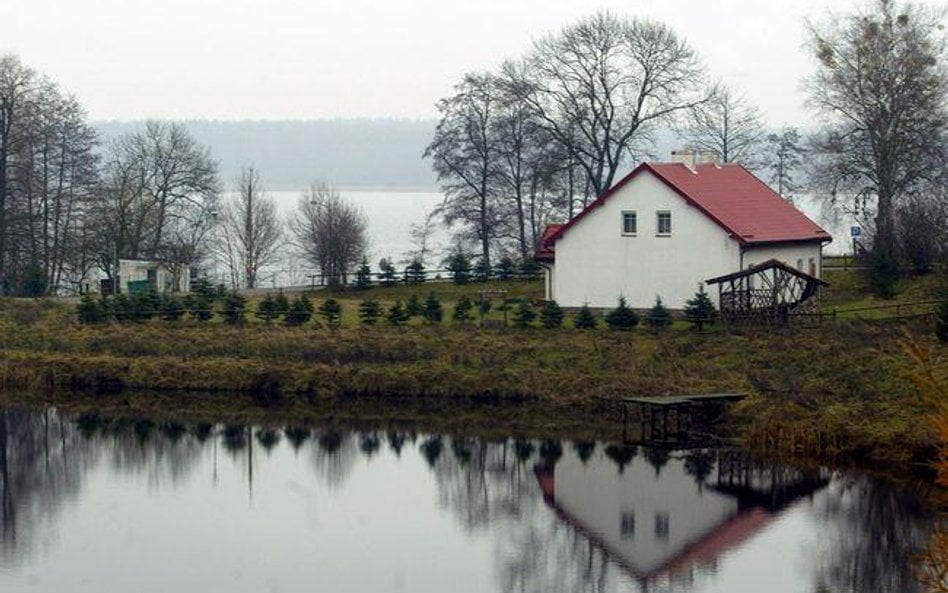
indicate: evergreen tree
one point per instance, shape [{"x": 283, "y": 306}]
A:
[
  {"x": 300, "y": 311},
  {"x": 505, "y": 268},
  {"x": 267, "y": 309},
  {"x": 659, "y": 317},
  {"x": 414, "y": 308},
  {"x": 524, "y": 314},
  {"x": 90, "y": 310},
  {"x": 433, "y": 310},
  {"x": 622, "y": 317},
  {"x": 199, "y": 305},
  {"x": 387, "y": 275},
  {"x": 171, "y": 308},
  {"x": 203, "y": 287},
  {"x": 397, "y": 315},
  {"x": 234, "y": 308},
  {"x": 281, "y": 304},
  {"x": 884, "y": 273},
  {"x": 331, "y": 311},
  {"x": 459, "y": 265},
  {"x": 144, "y": 305},
  {"x": 584, "y": 318},
  {"x": 551, "y": 315},
  {"x": 121, "y": 308},
  {"x": 482, "y": 271},
  {"x": 529, "y": 269},
  {"x": 363, "y": 275},
  {"x": 700, "y": 310},
  {"x": 369, "y": 312},
  {"x": 415, "y": 272},
  {"x": 462, "y": 309}
]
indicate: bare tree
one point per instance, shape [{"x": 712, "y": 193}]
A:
[
  {"x": 330, "y": 232},
  {"x": 782, "y": 158},
  {"x": 881, "y": 88},
  {"x": 602, "y": 85},
  {"x": 464, "y": 153},
  {"x": 728, "y": 125},
  {"x": 251, "y": 229},
  {"x": 16, "y": 82}
]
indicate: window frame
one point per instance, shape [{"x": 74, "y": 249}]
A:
[
  {"x": 658, "y": 223},
  {"x": 635, "y": 219}
]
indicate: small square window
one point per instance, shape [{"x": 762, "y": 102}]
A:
[
  {"x": 629, "y": 223},
  {"x": 627, "y": 528},
  {"x": 662, "y": 523},
  {"x": 664, "y": 223}
]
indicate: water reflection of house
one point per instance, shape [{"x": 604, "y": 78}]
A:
[{"x": 655, "y": 523}]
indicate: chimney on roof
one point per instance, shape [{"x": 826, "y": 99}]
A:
[{"x": 692, "y": 158}]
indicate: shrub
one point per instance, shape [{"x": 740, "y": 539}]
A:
[
  {"x": 433, "y": 310},
  {"x": 551, "y": 315},
  {"x": 524, "y": 314},
  {"x": 267, "y": 309},
  {"x": 397, "y": 315},
  {"x": 121, "y": 307},
  {"x": 363, "y": 275},
  {"x": 462, "y": 309},
  {"x": 143, "y": 305},
  {"x": 459, "y": 265},
  {"x": 700, "y": 310},
  {"x": 234, "y": 308},
  {"x": 585, "y": 318},
  {"x": 941, "y": 322},
  {"x": 203, "y": 287},
  {"x": 171, "y": 308},
  {"x": 91, "y": 310},
  {"x": 883, "y": 274},
  {"x": 369, "y": 312},
  {"x": 415, "y": 272},
  {"x": 331, "y": 311},
  {"x": 622, "y": 317},
  {"x": 300, "y": 312},
  {"x": 659, "y": 317}
]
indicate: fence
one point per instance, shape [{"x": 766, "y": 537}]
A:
[{"x": 893, "y": 312}]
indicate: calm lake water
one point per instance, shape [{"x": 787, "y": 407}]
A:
[{"x": 135, "y": 505}]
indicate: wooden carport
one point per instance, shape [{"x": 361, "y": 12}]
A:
[{"x": 766, "y": 294}]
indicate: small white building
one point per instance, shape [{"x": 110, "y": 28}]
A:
[
  {"x": 138, "y": 274},
  {"x": 666, "y": 228}
]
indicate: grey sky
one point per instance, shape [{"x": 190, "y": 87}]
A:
[{"x": 304, "y": 59}]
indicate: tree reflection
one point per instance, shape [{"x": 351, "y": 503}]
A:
[
  {"x": 334, "y": 456},
  {"x": 874, "y": 530}
]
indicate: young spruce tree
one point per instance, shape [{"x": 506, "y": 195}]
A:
[
  {"x": 369, "y": 312},
  {"x": 700, "y": 310},
  {"x": 659, "y": 317},
  {"x": 331, "y": 311},
  {"x": 433, "y": 310},
  {"x": 584, "y": 318},
  {"x": 622, "y": 317},
  {"x": 551, "y": 315}
]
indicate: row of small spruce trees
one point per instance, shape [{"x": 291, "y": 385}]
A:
[
  {"x": 200, "y": 306},
  {"x": 460, "y": 266}
]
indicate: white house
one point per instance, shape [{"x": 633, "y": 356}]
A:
[
  {"x": 137, "y": 274},
  {"x": 667, "y": 227}
]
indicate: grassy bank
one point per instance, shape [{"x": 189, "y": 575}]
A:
[{"x": 841, "y": 388}]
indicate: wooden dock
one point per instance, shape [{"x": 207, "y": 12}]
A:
[{"x": 685, "y": 412}]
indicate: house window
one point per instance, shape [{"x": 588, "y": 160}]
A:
[
  {"x": 664, "y": 223},
  {"x": 812, "y": 267},
  {"x": 800, "y": 264},
  {"x": 627, "y": 528},
  {"x": 662, "y": 521},
  {"x": 629, "y": 223}
]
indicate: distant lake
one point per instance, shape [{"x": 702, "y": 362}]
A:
[
  {"x": 98, "y": 504},
  {"x": 390, "y": 215}
]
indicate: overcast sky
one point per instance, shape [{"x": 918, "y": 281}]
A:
[{"x": 306, "y": 59}]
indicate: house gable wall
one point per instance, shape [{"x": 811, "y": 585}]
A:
[{"x": 596, "y": 263}]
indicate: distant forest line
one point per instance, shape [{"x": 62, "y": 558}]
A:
[{"x": 371, "y": 152}]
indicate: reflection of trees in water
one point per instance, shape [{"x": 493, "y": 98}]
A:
[
  {"x": 165, "y": 452},
  {"x": 334, "y": 456},
  {"x": 42, "y": 460},
  {"x": 873, "y": 530}
]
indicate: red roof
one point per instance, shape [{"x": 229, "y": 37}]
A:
[
  {"x": 545, "y": 250},
  {"x": 731, "y": 196}
]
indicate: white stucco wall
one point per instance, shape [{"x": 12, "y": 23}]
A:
[
  {"x": 790, "y": 253},
  {"x": 595, "y": 262}
]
